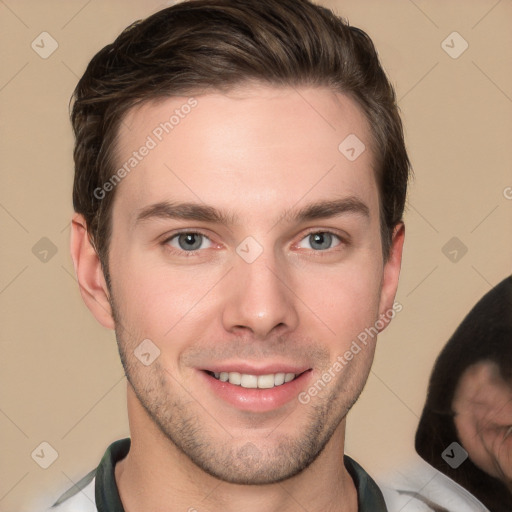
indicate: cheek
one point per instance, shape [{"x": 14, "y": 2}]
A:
[
  {"x": 465, "y": 430},
  {"x": 177, "y": 303},
  {"x": 353, "y": 285},
  {"x": 345, "y": 298},
  {"x": 156, "y": 299},
  {"x": 471, "y": 441}
]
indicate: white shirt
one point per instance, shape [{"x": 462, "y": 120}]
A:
[{"x": 418, "y": 487}]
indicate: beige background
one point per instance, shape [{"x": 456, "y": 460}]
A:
[{"x": 61, "y": 381}]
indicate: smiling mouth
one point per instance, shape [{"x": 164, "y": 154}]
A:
[{"x": 246, "y": 380}]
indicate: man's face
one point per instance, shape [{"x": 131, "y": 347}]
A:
[{"x": 246, "y": 244}]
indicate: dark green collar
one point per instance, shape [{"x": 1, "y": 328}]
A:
[
  {"x": 107, "y": 497},
  {"x": 106, "y": 493},
  {"x": 369, "y": 496}
]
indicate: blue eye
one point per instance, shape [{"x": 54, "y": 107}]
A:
[
  {"x": 320, "y": 241},
  {"x": 189, "y": 241}
]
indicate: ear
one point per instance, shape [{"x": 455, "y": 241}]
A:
[
  {"x": 392, "y": 272},
  {"x": 89, "y": 273}
]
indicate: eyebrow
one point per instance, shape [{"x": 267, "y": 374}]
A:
[{"x": 201, "y": 212}]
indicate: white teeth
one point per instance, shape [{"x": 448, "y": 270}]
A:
[
  {"x": 266, "y": 381},
  {"x": 235, "y": 378},
  {"x": 279, "y": 379},
  {"x": 249, "y": 381},
  {"x": 255, "y": 381}
]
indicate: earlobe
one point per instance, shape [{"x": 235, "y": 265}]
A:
[
  {"x": 89, "y": 273},
  {"x": 392, "y": 271}
]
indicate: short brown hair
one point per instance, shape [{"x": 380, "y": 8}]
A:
[{"x": 202, "y": 45}]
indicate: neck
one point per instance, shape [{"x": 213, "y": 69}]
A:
[{"x": 156, "y": 475}]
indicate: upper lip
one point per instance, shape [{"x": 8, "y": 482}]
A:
[{"x": 251, "y": 369}]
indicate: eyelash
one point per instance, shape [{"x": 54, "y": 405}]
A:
[
  {"x": 343, "y": 241},
  {"x": 186, "y": 254}
]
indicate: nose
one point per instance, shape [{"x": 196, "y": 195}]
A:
[{"x": 260, "y": 299}]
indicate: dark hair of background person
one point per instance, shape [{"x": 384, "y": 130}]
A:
[
  {"x": 484, "y": 334},
  {"x": 214, "y": 45}
]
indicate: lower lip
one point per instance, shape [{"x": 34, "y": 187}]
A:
[{"x": 255, "y": 399}]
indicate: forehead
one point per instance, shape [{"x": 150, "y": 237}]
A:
[
  {"x": 256, "y": 145},
  {"x": 476, "y": 381}
]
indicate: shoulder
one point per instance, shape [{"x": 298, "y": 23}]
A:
[{"x": 418, "y": 487}]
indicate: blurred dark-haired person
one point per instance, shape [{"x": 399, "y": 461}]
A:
[
  {"x": 240, "y": 180},
  {"x": 464, "y": 433},
  {"x": 469, "y": 401}
]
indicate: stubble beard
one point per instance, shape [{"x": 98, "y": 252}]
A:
[{"x": 207, "y": 441}]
